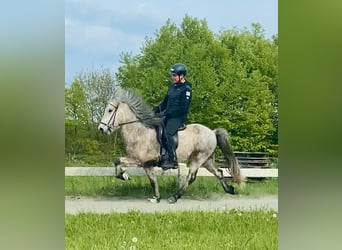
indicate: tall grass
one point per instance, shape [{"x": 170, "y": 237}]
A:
[
  {"x": 139, "y": 186},
  {"x": 182, "y": 230}
]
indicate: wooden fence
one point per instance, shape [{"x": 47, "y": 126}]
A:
[
  {"x": 253, "y": 165},
  {"x": 182, "y": 170}
]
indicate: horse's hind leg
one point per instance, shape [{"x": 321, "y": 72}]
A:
[
  {"x": 154, "y": 184},
  {"x": 210, "y": 166},
  {"x": 190, "y": 178}
]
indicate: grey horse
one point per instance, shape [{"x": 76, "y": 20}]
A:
[{"x": 196, "y": 143}]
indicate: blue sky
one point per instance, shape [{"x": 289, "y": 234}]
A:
[{"x": 97, "y": 32}]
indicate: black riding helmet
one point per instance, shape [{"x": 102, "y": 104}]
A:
[{"x": 178, "y": 69}]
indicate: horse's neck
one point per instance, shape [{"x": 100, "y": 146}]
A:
[{"x": 135, "y": 135}]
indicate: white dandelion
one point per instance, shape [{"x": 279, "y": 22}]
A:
[{"x": 134, "y": 239}]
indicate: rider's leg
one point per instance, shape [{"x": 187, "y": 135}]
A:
[{"x": 171, "y": 128}]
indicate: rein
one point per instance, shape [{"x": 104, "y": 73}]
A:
[
  {"x": 125, "y": 123},
  {"x": 139, "y": 120}
]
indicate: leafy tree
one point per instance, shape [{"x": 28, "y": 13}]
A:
[
  {"x": 76, "y": 109},
  {"x": 85, "y": 101},
  {"x": 98, "y": 86},
  {"x": 257, "y": 55},
  {"x": 76, "y": 116}
]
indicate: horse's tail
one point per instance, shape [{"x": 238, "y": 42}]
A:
[{"x": 224, "y": 144}]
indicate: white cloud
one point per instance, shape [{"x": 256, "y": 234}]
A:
[
  {"x": 115, "y": 12},
  {"x": 97, "y": 38}
]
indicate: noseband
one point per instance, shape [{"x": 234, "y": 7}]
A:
[{"x": 110, "y": 124}]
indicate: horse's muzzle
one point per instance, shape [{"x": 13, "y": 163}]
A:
[{"x": 104, "y": 129}]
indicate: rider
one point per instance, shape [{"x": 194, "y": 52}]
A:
[{"x": 174, "y": 108}]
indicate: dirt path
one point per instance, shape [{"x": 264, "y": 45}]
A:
[{"x": 74, "y": 205}]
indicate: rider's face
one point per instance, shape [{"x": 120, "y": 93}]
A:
[{"x": 176, "y": 78}]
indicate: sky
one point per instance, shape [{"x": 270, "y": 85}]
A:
[{"x": 98, "y": 32}]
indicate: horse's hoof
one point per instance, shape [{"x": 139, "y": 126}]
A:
[
  {"x": 230, "y": 190},
  {"x": 172, "y": 200},
  {"x": 123, "y": 176},
  {"x": 154, "y": 199}
]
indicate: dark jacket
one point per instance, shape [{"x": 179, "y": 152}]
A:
[{"x": 176, "y": 103}]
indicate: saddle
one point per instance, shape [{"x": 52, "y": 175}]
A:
[{"x": 160, "y": 132}]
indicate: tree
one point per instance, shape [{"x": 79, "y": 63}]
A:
[
  {"x": 76, "y": 110},
  {"x": 257, "y": 55},
  {"x": 98, "y": 87},
  {"x": 76, "y": 116},
  {"x": 85, "y": 102}
]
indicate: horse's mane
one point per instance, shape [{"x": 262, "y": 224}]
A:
[{"x": 142, "y": 110}]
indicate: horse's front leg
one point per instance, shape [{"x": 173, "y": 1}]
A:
[
  {"x": 154, "y": 184},
  {"x": 119, "y": 172}
]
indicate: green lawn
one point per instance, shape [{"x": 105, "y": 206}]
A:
[
  {"x": 182, "y": 230},
  {"x": 169, "y": 230}
]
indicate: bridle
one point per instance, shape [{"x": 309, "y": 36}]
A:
[{"x": 110, "y": 124}]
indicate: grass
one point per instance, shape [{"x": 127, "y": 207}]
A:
[
  {"x": 230, "y": 229},
  {"x": 182, "y": 230},
  {"x": 139, "y": 187}
]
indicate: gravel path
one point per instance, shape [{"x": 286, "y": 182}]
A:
[{"x": 74, "y": 205}]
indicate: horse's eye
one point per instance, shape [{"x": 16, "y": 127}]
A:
[{"x": 110, "y": 110}]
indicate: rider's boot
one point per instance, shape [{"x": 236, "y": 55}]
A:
[{"x": 171, "y": 161}]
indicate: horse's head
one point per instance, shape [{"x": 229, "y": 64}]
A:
[
  {"x": 126, "y": 107},
  {"x": 108, "y": 123}
]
